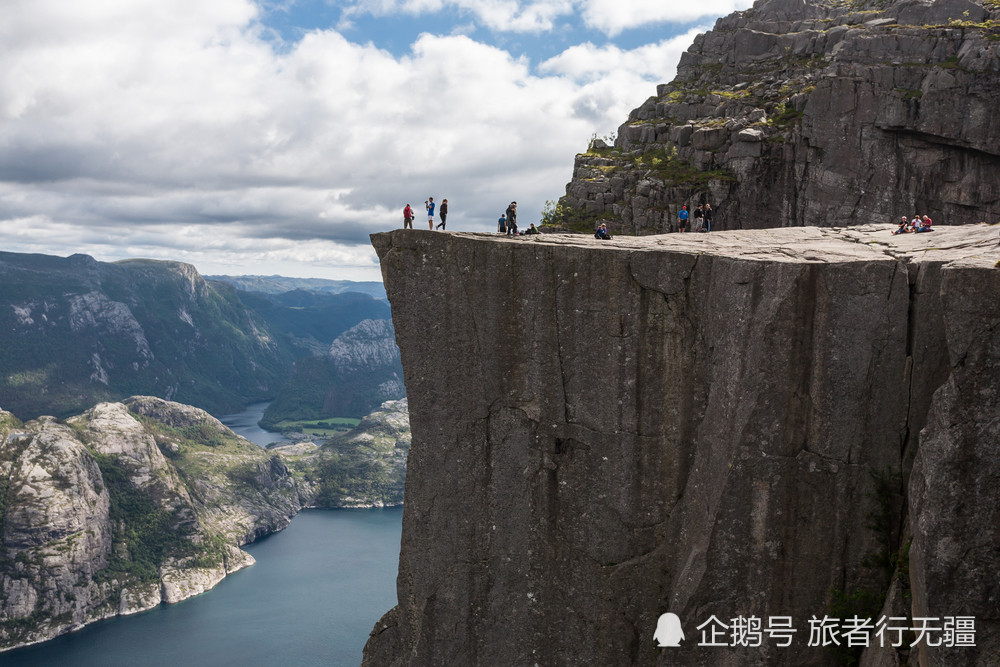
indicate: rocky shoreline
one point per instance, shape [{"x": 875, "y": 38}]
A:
[{"x": 125, "y": 507}]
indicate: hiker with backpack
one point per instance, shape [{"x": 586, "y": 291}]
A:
[{"x": 407, "y": 217}]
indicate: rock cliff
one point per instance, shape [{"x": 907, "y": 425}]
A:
[
  {"x": 792, "y": 422},
  {"x": 124, "y": 507},
  {"x": 811, "y": 112}
]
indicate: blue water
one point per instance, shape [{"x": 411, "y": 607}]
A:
[
  {"x": 312, "y": 598},
  {"x": 315, "y": 593},
  {"x": 245, "y": 423}
]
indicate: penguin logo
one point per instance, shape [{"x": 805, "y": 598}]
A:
[{"x": 668, "y": 630}]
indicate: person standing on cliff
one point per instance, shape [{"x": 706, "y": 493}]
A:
[
  {"x": 708, "y": 217},
  {"x": 511, "y": 214},
  {"x": 429, "y": 205},
  {"x": 699, "y": 219},
  {"x": 502, "y": 223},
  {"x": 682, "y": 219},
  {"x": 443, "y": 213},
  {"x": 407, "y": 217}
]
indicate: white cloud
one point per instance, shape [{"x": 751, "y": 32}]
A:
[
  {"x": 500, "y": 15},
  {"x": 652, "y": 62},
  {"x": 174, "y": 129},
  {"x": 608, "y": 16},
  {"x": 613, "y": 16}
]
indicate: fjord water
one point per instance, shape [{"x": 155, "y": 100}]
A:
[
  {"x": 315, "y": 593},
  {"x": 245, "y": 423}
]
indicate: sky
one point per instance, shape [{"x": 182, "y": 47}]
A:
[{"x": 273, "y": 136}]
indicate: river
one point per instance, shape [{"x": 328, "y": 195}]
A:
[{"x": 315, "y": 593}]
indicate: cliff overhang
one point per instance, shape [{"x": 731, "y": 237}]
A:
[{"x": 786, "y": 422}]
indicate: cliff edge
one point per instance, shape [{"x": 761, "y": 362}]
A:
[{"x": 792, "y": 422}]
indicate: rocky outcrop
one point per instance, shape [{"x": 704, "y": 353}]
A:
[
  {"x": 124, "y": 507},
  {"x": 716, "y": 425},
  {"x": 811, "y": 112},
  {"x": 365, "y": 467}
]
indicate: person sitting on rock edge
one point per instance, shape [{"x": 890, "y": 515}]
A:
[
  {"x": 904, "y": 226},
  {"x": 925, "y": 225},
  {"x": 532, "y": 229},
  {"x": 602, "y": 233}
]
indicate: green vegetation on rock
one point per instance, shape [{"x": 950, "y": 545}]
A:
[
  {"x": 365, "y": 466},
  {"x": 144, "y": 534}
]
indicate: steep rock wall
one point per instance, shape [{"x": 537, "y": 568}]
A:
[
  {"x": 709, "y": 425},
  {"x": 811, "y": 112}
]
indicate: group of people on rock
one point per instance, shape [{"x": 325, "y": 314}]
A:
[
  {"x": 507, "y": 224},
  {"x": 919, "y": 223},
  {"x": 429, "y": 206},
  {"x": 702, "y": 218}
]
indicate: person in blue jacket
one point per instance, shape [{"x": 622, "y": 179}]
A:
[
  {"x": 429, "y": 205},
  {"x": 682, "y": 219}
]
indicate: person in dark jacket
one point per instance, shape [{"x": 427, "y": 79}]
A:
[{"x": 443, "y": 212}]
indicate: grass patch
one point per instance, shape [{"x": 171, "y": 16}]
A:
[
  {"x": 784, "y": 115},
  {"x": 667, "y": 167},
  {"x": 909, "y": 93},
  {"x": 325, "y": 427}
]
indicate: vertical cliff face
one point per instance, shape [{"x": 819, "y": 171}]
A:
[
  {"x": 812, "y": 112},
  {"x": 606, "y": 431}
]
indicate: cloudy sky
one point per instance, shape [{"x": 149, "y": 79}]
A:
[{"x": 272, "y": 136}]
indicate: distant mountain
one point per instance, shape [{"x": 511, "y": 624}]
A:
[
  {"x": 360, "y": 371},
  {"x": 309, "y": 321},
  {"x": 281, "y": 284},
  {"x": 75, "y": 331}
]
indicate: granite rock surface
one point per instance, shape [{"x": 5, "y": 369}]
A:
[
  {"x": 784, "y": 422},
  {"x": 811, "y": 112}
]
